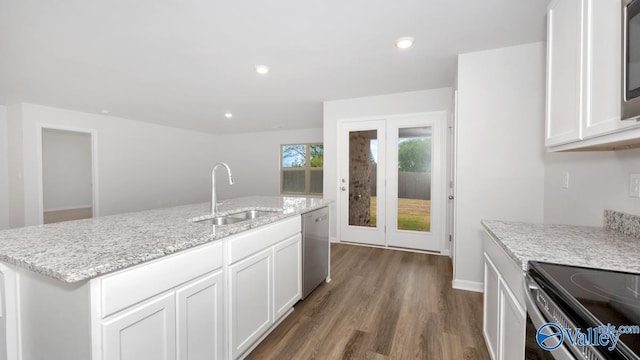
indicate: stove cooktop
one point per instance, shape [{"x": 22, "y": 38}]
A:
[{"x": 595, "y": 297}]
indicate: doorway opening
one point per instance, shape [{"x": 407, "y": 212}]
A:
[{"x": 67, "y": 175}]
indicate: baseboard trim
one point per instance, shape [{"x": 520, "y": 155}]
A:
[
  {"x": 333, "y": 239},
  {"x": 69, "y": 208},
  {"x": 467, "y": 285}
]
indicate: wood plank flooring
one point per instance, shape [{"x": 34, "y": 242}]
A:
[
  {"x": 382, "y": 304},
  {"x": 67, "y": 215}
]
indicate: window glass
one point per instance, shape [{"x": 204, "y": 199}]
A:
[
  {"x": 316, "y": 155},
  {"x": 316, "y": 182},
  {"x": 294, "y": 156},
  {"x": 293, "y": 181}
]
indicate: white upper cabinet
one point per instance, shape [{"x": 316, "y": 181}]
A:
[
  {"x": 603, "y": 68},
  {"x": 563, "y": 72},
  {"x": 584, "y": 49}
]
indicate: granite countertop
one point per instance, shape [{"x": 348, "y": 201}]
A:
[
  {"x": 79, "y": 250},
  {"x": 597, "y": 247}
]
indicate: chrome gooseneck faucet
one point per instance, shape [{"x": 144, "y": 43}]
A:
[{"x": 214, "y": 201}]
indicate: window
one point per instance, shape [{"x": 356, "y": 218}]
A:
[{"x": 301, "y": 169}]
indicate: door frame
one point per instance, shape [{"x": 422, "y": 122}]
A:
[
  {"x": 94, "y": 165},
  {"x": 452, "y": 178},
  {"x": 444, "y": 250}
]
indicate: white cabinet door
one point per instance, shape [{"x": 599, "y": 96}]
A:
[
  {"x": 564, "y": 64},
  {"x": 512, "y": 325},
  {"x": 491, "y": 311},
  {"x": 200, "y": 319},
  {"x": 287, "y": 274},
  {"x": 147, "y": 331},
  {"x": 250, "y": 300},
  {"x": 3, "y": 319},
  {"x": 9, "y": 334},
  {"x": 603, "y": 83}
]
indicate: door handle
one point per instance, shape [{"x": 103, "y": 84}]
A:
[{"x": 450, "y": 197}]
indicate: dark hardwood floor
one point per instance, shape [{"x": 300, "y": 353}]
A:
[{"x": 381, "y": 304}]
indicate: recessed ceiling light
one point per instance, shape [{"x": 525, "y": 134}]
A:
[
  {"x": 404, "y": 43},
  {"x": 228, "y": 115},
  {"x": 262, "y": 69}
]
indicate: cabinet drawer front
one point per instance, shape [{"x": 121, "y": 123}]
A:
[
  {"x": 251, "y": 242},
  {"x": 130, "y": 286}
]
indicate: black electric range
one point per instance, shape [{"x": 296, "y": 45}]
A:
[{"x": 592, "y": 298}]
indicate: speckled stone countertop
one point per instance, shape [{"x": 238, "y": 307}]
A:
[
  {"x": 595, "y": 247},
  {"x": 78, "y": 250}
]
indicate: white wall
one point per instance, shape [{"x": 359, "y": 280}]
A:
[
  {"x": 66, "y": 166},
  {"x": 371, "y": 106},
  {"x": 15, "y": 167},
  {"x": 254, "y": 160},
  {"x": 500, "y": 150},
  {"x": 597, "y": 181},
  {"x": 4, "y": 169},
  {"x": 140, "y": 165}
]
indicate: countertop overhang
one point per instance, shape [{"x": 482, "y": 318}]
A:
[
  {"x": 79, "y": 250},
  {"x": 566, "y": 244}
]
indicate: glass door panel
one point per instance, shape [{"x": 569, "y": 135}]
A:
[
  {"x": 362, "y": 177},
  {"x": 414, "y": 178}
]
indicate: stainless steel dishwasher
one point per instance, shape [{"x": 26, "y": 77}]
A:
[{"x": 315, "y": 249}]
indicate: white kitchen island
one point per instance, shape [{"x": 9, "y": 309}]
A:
[{"x": 151, "y": 284}]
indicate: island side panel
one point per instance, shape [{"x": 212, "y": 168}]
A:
[{"x": 54, "y": 318}]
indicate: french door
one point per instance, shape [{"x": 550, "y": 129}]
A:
[
  {"x": 362, "y": 178},
  {"x": 392, "y": 181}
]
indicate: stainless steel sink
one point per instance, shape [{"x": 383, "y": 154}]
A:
[{"x": 236, "y": 217}]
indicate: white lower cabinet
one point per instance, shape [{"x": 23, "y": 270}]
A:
[
  {"x": 262, "y": 289},
  {"x": 9, "y": 345},
  {"x": 491, "y": 307},
  {"x": 200, "y": 319},
  {"x": 287, "y": 275},
  {"x": 250, "y": 297},
  {"x": 168, "y": 309},
  {"x": 184, "y": 324},
  {"x": 3, "y": 319},
  {"x": 146, "y": 331},
  {"x": 211, "y": 302},
  {"x": 504, "y": 312},
  {"x": 512, "y": 325}
]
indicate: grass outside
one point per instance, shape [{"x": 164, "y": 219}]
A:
[{"x": 413, "y": 214}]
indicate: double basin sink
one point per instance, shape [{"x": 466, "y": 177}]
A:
[{"x": 236, "y": 217}]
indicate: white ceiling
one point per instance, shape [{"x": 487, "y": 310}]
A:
[{"x": 184, "y": 63}]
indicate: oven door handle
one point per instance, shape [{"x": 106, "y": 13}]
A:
[
  {"x": 561, "y": 353},
  {"x": 532, "y": 309}
]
